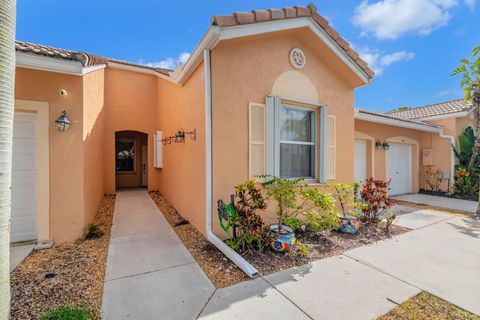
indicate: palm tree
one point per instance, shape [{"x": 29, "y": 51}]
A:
[
  {"x": 469, "y": 69},
  {"x": 7, "y": 82}
]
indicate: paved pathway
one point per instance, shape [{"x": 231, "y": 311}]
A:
[
  {"x": 18, "y": 253},
  {"x": 150, "y": 274},
  {"x": 441, "y": 202}
]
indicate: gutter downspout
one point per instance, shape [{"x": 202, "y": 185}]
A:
[
  {"x": 452, "y": 154},
  {"x": 226, "y": 250}
]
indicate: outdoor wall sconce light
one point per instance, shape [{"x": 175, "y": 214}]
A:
[
  {"x": 63, "y": 122},
  {"x": 380, "y": 145},
  {"x": 180, "y": 136}
]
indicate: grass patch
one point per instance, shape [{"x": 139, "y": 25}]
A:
[
  {"x": 68, "y": 313},
  {"x": 426, "y": 306}
]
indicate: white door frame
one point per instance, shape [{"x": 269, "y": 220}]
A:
[{"x": 43, "y": 163}]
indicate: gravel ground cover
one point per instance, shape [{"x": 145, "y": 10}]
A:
[
  {"x": 426, "y": 306},
  {"x": 69, "y": 273},
  {"x": 222, "y": 272}
]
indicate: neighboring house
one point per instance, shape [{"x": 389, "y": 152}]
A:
[{"x": 268, "y": 91}]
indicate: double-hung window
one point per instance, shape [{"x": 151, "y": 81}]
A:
[
  {"x": 288, "y": 139},
  {"x": 297, "y": 143}
]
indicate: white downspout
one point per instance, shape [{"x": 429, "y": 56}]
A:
[
  {"x": 452, "y": 154},
  {"x": 226, "y": 250}
]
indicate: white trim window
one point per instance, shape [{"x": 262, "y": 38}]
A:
[{"x": 297, "y": 146}]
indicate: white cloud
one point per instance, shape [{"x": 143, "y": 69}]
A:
[
  {"x": 378, "y": 62},
  {"x": 169, "y": 62},
  {"x": 391, "y": 19},
  {"x": 471, "y": 4}
]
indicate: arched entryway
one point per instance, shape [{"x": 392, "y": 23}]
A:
[{"x": 131, "y": 159}]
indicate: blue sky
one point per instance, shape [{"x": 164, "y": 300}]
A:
[{"x": 412, "y": 44}]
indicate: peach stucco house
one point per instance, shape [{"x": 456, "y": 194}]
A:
[{"x": 263, "y": 92}]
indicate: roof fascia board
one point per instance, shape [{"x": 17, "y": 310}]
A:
[
  {"x": 136, "y": 69},
  {"x": 43, "y": 63},
  {"x": 208, "y": 41},
  {"x": 397, "y": 123},
  {"x": 93, "y": 68},
  {"x": 245, "y": 30},
  {"x": 446, "y": 116}
]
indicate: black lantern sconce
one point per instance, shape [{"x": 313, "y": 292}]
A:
[
  {"x": 179, "y": 137},
  {"x": 379, "y": 145},
  {"x": 63, "y": 122}
]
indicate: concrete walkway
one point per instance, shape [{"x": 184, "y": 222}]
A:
[
  {"x": 18, "y": 253},
  {"x": 440, "y": 256},
  {"x": 150, "y": 274},
  {"x": 440, "y": 202}
]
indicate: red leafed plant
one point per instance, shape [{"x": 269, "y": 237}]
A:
[{"x": 375, "y": 196}]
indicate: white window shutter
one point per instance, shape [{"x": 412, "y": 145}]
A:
[
  {"x": 257, "y": 143},
  {"x": 331, "y": 147},
  {"x": 158, "y": 150}
]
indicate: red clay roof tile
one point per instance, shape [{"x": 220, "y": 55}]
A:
[{"x": 289, "y": 13}]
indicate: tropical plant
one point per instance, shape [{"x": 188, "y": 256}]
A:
[
  {"x": 296, "y": 201},
  {"x": 250, "y": 228},
  {"x": 7, "y": 83},
  {"x": 343, "y": 194},
  {"x": 465, "y": 147},
  {"x": 465, "y": 182},
  {"x": 375, "y": 196},
  {"x": 469, "y": 70}
]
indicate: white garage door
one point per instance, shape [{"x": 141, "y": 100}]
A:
[
  {"x": 360, "y": 156},
  {"x": 24, "y": 178},
  {"x": 399, "y": 168}
]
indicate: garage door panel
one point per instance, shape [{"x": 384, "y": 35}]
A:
[
  {"x": 399, "y": 168},
  {"x": 24, "y": 178}
]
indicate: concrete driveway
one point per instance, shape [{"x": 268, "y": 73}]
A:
[{"x": 441, "y": 255}]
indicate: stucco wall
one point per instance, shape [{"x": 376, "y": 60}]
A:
[
  {"x": 441, "y": 150},
  {"x": 66, "y": 148},
  {"x": 93, "y": 138},
  {"x": 182, "y": 179},
  {"x": 244, "y": 71},
  {"x": 130, "y": 104}
]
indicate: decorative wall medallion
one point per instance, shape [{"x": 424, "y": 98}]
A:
[{"x": 297, "y": 58}]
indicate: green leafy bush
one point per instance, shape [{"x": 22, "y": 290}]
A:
[
  {"x": 93, "y": 231},
  {"x": 68, "y": 313}
]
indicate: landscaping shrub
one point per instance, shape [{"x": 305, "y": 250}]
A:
[
  {"x": 299, "y": 205},
  {"x": 93, "y": 231},
  {"x": 68, "y": 313},
  {"x": 375, "y": 197},
  {"x": 250, "y": 228},
  {"x": 433, "y": 177},
  {"x": 466, "y": 180}
]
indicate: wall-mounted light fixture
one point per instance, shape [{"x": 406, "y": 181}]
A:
[
  {"x": 379, "y": 145},
  {"x": 179, "y": 137},
  {"x": 63, "y": 122}
]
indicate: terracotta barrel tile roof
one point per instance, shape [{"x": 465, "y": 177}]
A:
[
  {"x": 431, "y": 110},
  {"x": 257, "y": 16},
  {"x": 87, "y": 59}
]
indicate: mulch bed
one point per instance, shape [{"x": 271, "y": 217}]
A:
[
  {"x": 222, "y": 272},
  {"x": 426, "y": 306},
  {"x": 69, "y": 273},
  {"x": 461, "y": 196}
]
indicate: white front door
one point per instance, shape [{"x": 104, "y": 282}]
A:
[
  {"x": 24, "y": 178},
  {"x": 360, "y": 157},
  {"x": 399, "y": 168}
]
